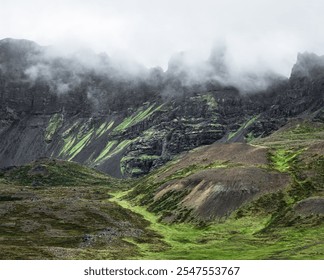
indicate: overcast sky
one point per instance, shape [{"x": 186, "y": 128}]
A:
[{"x": 257, "y": 32}]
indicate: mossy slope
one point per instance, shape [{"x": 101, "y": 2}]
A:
[
  {"x": 286, "y": 223},
  {"x": 61, "y": 210},
  {"x": 52, "y": 209}
]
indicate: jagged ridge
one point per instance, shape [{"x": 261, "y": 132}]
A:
[{"x": 128, "y": 125}]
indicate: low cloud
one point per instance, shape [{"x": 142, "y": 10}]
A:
[{"x": 258, "y": 33}]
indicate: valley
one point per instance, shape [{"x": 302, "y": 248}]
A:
[
  {"x": 52, "y": 209},
  {"x": 99, "y": 163}
]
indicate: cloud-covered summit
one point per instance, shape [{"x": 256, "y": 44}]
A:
[{"x": 257, "y": 33}]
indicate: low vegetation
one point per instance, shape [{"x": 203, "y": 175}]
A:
[{"x": 53, "y": 209}]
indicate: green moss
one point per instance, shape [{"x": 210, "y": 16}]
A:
[
  {"x": 53, "y": 126},
  {"x": 136, "y": 171},
  {"x": 168, "y": 202},
  {"x": 249, "y": 137},
  {"x": 74, "y": 144},
  {"x": 68, "y": 143},
  {"x": 185, "y": 172},
  {"x": 251, "y": 121},
  {"x": 112, "y": 148},
  {"x": 70, "y": 129},
  {"x": 74, "y": 140},
  {"x": 232, "y": 239},
  {"x": 120, "y": 147},
  {"x": 264, "y": 205},
  {"x": 148, "y": 157},
  {"x": 232, "y": 134},
  {"x": 283, "y": 159},
  {"x": 139, "y": 116},
  {"x": 318, "y": 166},
  {"x": 105, "y": 151},
  {"x": 305, "y": 130},
  {"x": 56, "y": 173},
  {"x": 210, "y": 100},
  {"x": 243, "y": 126},
  {"x": 301, "y": 189},
  {"x": 104, "y": 128},
  {"x": 191, "y": 169},
  {"x": 77, "y": 148},
  {"x": 297, "y": 133},
  {"x": 306, "y": 181}
]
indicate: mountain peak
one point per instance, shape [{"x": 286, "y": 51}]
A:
[
  {"x": 308, "y": 65},
  {"x": 21, "y": 43}
]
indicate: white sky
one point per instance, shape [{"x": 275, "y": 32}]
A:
[{"x": 257, "y": 32}]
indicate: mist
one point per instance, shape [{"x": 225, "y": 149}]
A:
[{"x": 258, "y": 33}]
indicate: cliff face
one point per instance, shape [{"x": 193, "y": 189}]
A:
[{"x": 126, "y": 124}]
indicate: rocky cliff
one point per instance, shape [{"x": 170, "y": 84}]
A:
[{"x": 87, "y": 109}]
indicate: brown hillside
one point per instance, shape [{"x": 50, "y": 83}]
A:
[
  {"x": 236, "y": 153},
  {"x": 217, "y": 192}
]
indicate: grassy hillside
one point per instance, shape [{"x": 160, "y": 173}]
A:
[
  {"x": 235, "y": 238},
  {"x": 263, "y": 200},
  {"x": 52, "y": 172},
  {"x": 272, "y": 191},
  {"x": 53, "y": 209}
]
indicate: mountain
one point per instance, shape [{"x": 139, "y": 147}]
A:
[
  {"x": 229, "y": 168},
  {"x": 88, "y": 110},
  {"x": 262, "y": 200},
  {"x": 211, "y": 182}
]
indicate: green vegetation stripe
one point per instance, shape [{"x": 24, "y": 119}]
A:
[
  {"x": 244, "y": 126},
  {"x": 105, "y": 151},
  {"x": 104, "y": 128},
  {"x": 139, "y": 116},
  {"x": 108, "y": 152},
  {"x": 54, "y": 124},
  {"x": 80, "y": 145}
]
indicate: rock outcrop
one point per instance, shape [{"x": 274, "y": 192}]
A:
[{"x": 127, "y": 124}]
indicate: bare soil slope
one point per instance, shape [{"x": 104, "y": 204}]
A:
[{"x": 211, "y": 182}]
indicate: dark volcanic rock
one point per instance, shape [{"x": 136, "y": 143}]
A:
[{"x": 127, "y": 125}]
